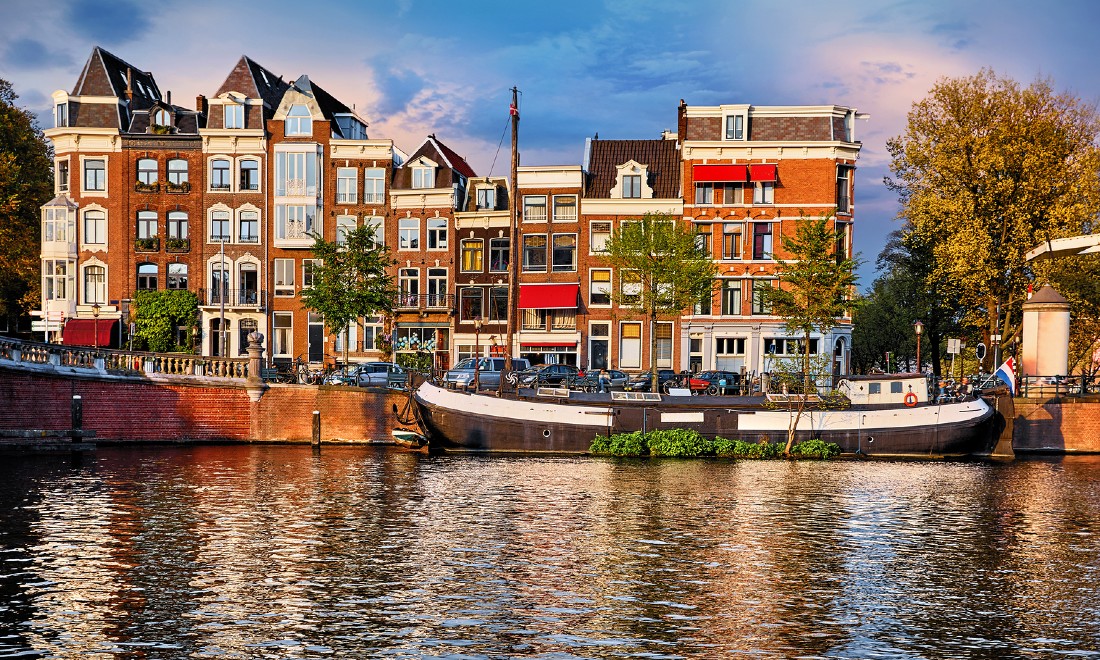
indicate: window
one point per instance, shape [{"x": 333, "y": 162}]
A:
[
  {"x": 408, "y": 234},
  {"x": 284, "y": 277},
  {"x": 471, "y": 302},
  {"x": 248, "y": 227},
  {"x": 408, "y": 287},
  {"x": 57, "y": 279},
  {"x": 534, "y": 319},
  {"x": 347, "y": 179},
  {"x": 423, "y": 177},
  {"x": 307, "y": 272},
  {"x": 874, "y": 388},
  {"x": 599, "y": 287},
  {"x": 735, "y": 127},
  {"x": 61, "y": 115},
  {"x": 282, "y": 340},
  {"x": 437, "y": 287},
  {"x": 759, "y": 304},
  {"x": 630, "y": 287},
  {"x": 219, "y": 174},
  {"x": 472, "y": 254},
  {"x": 95, "y": 175},
  {"x": 630, "y": 345},
  {"x": 379, "y": 226},
  {"x": 562, "y": 319},
  {"x": 249, "y": 175},
  {"x": 219, "y": 226},
  {"x": 344, "y": 224},
  {"x": 147, "y": 224},
  {"x": 599, "y": 234},
  {"x": 177, "y": 225},
  {"x": 56, "y": 225},
  {"x": 565, "y": 253},
  {"x": 843, "y": 189},
  {"x": 437, "y": 233},
  {"x": 565, "y": 208},
  {"x": 162, "y": 118},
  {"x": 147, "y": 277},
  {"x": 219, "y": 283},
  {"x": 843, "y": 231},
  {"x": 298, "y": 121},
  {"x": 374, "y": 185},
  {"x": 664, "y": 345},
  {"x": 702, "y": 242},
  {"x": 534, "y": 253},
  {"x": 95, "y": 227},
  {"x": 731, "y": 241},
  {"x": 234, "y": 115},
  {"x": 729, "y": 345},
  {"x": 62, "y": 175},
  {"x": 177, "y": 276},
  {"x": 761, "y": 241},
  {"x": 486, "y": 198},
  {"x": 534, "y": 208},
  {"x": 632, "y": 186},
  {"x": 499, "y": 255},
  {"x": 294, "y": 221},
  {"x": 498, "y": 303},
  {"x": 177, "y": 173},
  {"x": 764, "y": 192},
  {"x": 95, "y": 285},
  {"x": 704, "y": 193},
  {"x": 731, "y": 297},
  {"x": 296, "y": 173},
  {"x": 147, "y": 171}
]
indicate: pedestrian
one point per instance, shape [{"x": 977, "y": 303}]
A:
[
  {"x": 964, "y": 389},
  {"x": 605, "y": 381}
]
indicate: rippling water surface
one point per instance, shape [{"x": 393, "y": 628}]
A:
[{"x": 269, "y": 551}]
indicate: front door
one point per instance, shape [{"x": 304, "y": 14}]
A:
[{"x": 316, "y": 337}]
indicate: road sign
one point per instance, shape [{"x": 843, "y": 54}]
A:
[
  {"x": 953, "y": 346},
  {"x": 45, "y": 326}
]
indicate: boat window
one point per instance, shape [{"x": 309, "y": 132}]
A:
[
  {"x": 895, "y": 387},
  {"x": 874, "y": 388}
]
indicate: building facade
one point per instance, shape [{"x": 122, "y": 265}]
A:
[{"x": 224, "y": 200}]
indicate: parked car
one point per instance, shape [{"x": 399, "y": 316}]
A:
[
  {"x": 643, "y": 382},
  {"x": 717, "y": 382},
  {"x": 488, "y": 372},
  {"x": 618, "y": 378},
  {"x": 548, "y": 374},
  {"x": 380, "y": 374}
]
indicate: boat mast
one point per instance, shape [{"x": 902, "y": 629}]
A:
[{"x": 513, "y": 251}]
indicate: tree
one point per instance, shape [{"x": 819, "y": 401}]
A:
[
  {"x": 26, "y": 183},
  {"x": 985, "y": 171},
  {"x": 157, "y": 314},
  {"x": 662, "y": 271},
  {"x": 815, "y": 290},
  {"x": 350, "y": 279}
]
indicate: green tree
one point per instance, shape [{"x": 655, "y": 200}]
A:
[
  {"x": 662, "y": 271},
  {"x": 350, "y": 280},
  {"x": 814, "y": 291},
  {"x": 985, "y": 171},
  {"x": 157, "y": 314},
  {"x": 26, "y": 183}
]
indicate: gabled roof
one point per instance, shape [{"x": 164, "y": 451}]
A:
[
  {"x": 106, "y": 75},
  {"x": 436, "y": 150},
  {"x": 255, "y": 82},
  {"x": 660, "y": 157}
]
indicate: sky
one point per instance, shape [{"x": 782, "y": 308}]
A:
[{"x": 618, "y": 68}]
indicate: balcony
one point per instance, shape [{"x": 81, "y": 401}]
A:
[
  {"x": 374, "y": 198},
  {"x": 147, "y": 244},
  {"x": 426, "y": 302},
  {"x": 251, "y": 298},
  {"x": 177, "y": 245},
  {"x": 346, "y": 197}
]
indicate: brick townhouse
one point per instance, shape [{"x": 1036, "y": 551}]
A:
[{"x": 222, "y": 199}]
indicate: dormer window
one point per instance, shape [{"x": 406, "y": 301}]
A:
[
  {"x": 61, "y": 115},
  {"x": 486, "y": 198},
  {"x": 735, "y": 127},
  {"x": 299, "y": 121},
  {"x": 162, "y": 118},
  {"x": 632, "y": 181},
  {"x": 423, "y": 177},
  {"x": 632, "y": 186},
  {"x": 234, "y": 115}
]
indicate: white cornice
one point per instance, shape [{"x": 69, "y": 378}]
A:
[
  {"x": 482, "y": 219},
  {"x": 362, "y": 149},
  {"x": 422, "y": 198},
  {"x": 592, "y": 206},
  {"x": 722, "y": 151},
  {"x": 768, "y": 110},
  {"x": 550, "y": 176}
]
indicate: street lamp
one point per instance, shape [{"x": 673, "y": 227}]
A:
[
  {"x": 95, "y": 328},
  {"x": 918, "y": 328},
  {"x": 477, "y": 354}
]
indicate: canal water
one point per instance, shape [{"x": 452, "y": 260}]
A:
[{"x": 272, "y": 552}]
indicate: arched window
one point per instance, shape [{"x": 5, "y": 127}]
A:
[
  {"x": 298, "y": 121},
  {"x": 250, "y": 175},
  {"x": 177, "y": 276},
  {"x": 147, "y": 276},
  {"x": 219, "y": 174},
  {"x": 162, "y": 118},
  {"x": 95, "y": 285},
  {"x": 147, "y": 171}
]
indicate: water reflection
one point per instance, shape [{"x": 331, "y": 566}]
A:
[{"x": 239, "y": 552}]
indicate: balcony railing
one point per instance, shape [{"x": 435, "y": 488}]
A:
[
  {"x": 346, "y": 197},
  {"x": 374, "y": 197},
  {"x": 212, "y": 297},
  {"x": 440, "y": 301}
]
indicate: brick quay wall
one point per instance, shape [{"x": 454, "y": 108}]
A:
[
  {"x": 145, "y": 410},
  {"x": 1057, "y": 425}
]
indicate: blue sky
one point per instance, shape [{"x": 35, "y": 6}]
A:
[{"x": 614, "y": 67}]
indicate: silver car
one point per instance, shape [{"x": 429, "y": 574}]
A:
[
  {"x": 488, "y": 372},
  {"x": 379, "y": 374}
]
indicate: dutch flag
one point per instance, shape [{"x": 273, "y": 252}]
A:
[{"x": 1007, "y": 374}]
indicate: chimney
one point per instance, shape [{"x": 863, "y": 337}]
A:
[
  {"x": 129, "y": 84},
  {"x": 200, "y": 103},
  {"x": 168, "y": 100}
]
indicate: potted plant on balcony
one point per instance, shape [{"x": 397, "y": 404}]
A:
[
  {"x": 141, "y": 186},
  {"x": 147, "y": 244},
  {"x": 177, "y": 244},
  {"x": 182, "y": 187}
]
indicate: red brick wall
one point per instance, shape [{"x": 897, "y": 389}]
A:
[
  {"x": 136, "y": 410},
  {"x": 1056, "y": 426}
]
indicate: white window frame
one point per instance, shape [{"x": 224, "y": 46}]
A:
[
  {"x": 217, "y": 217},
  {"x": 763, "y": 192},
  {"x": 408, "y": 234},
  {"x": 437, "y": 234},
  {"x": 228, "y": 187},
  {"x": 531, "y": 206},
  {"x": 94, "y": 292},
  {"x": 234, "y": 115},
  {"x": 735, "y": 126},
  {"x": 298, "y": 123},
  {"x": 347, "y": 185},
  {"x": 259, "y": 183},
  {"x": 555, "y": 267},
  {"x": 565, "y": 215},
  {"x": 605, "y": 287},
  {"x": 62, "y": 183},
  {"x": 242, "y": 236},
  {"x": 104, "y": 188},
  {"x": 282, "y": 334},
  {"x": 598, "y": 237},
  {"x": 423, "y": 177},
  {"x": 379, "y": 224},
  {"x": 99, "y": 232},
  {"x": 374, "y": 185},
  {"x": 283, "y": 278},
  {"x": 344, "y": 224}
]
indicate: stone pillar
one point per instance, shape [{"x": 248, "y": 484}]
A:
[
  {"x": 254, "y": 384},
  {"x": 1045, "y": 348}
]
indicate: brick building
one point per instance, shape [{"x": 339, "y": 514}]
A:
[{"x": 223, "y": 200}]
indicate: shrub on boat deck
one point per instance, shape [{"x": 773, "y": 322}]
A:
[
  {"x": 743, "y": 449},
  {"x": 687, "y": 443},
  {"x": 620, "y": 444},
  {"x": 679, "y": 442}
]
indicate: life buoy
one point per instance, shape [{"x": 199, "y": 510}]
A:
[{"x": 910, "y": 399}]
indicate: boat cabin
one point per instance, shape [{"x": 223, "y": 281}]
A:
[{"x": 884, "y": 388}]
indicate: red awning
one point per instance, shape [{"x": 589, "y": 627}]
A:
[
  {"x": 82, "y": 332},
  {"x": 548, "y": 296},
  {"x": 762, "y": 172},
  {"x": 549, "y": 344},
  {"x": 735, "y": 173}
]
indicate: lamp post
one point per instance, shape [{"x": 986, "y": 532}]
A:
[
  {"x": 477, "y": 354},
  {"x": 918, "y": 328},
  {"x": 95, "y": 325}
]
